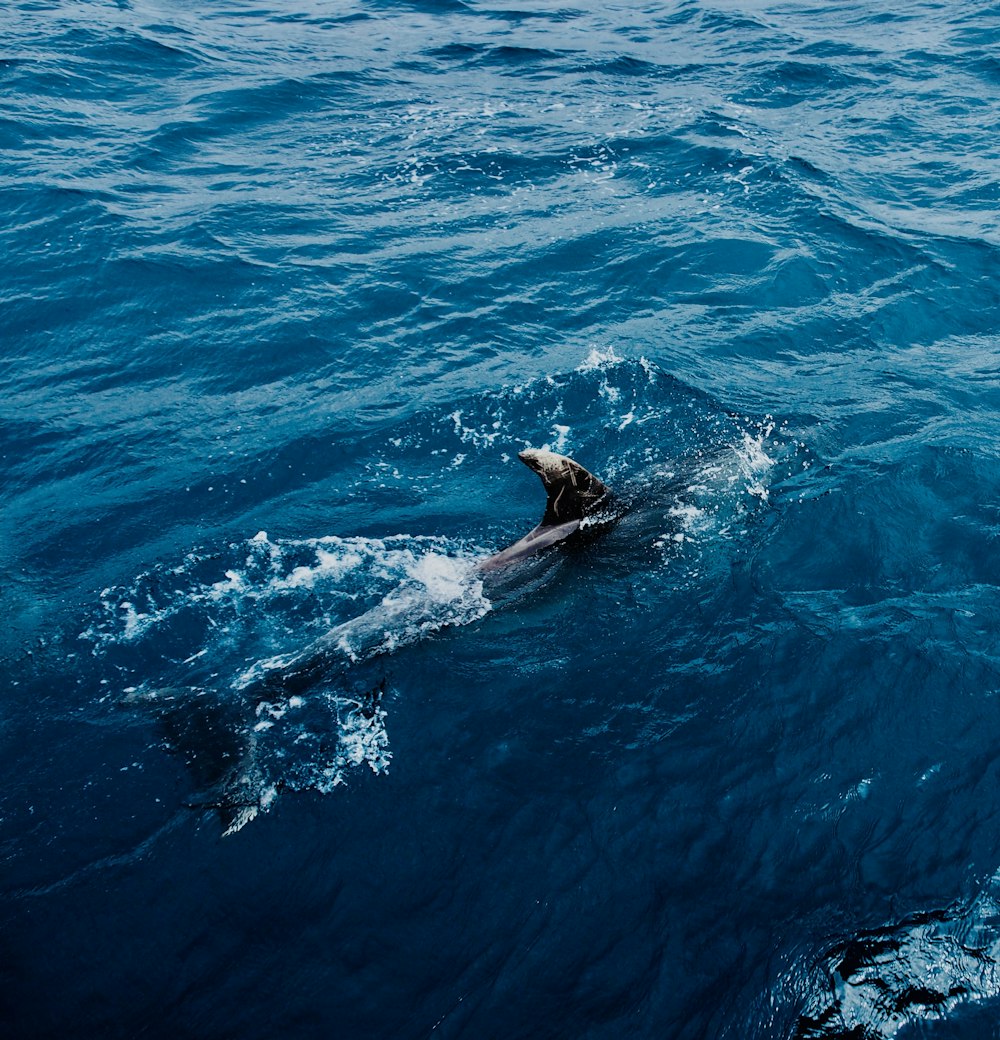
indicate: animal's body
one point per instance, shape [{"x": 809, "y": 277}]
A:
[{"x": 207, "y": 730}]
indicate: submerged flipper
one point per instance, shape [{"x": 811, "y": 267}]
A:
[{"x": 573, "y": 493}]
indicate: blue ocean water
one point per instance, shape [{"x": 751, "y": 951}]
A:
[{"x": 285, "y": 288}]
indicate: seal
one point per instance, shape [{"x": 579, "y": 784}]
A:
[{"x": 574, "y": 494}]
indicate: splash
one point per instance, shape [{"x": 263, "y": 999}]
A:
[
  {"x": 754, "y": 462},
  {"x": 276, "y": 589},
  {"x": 599, "y": 359},
  {"x": 213, "y": 647}
]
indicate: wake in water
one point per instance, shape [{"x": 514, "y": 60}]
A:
[
  {"x": 306, "y": 713},
  {"x": 261, "y": 661}
]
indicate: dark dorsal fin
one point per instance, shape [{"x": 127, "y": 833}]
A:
[{"x": 573, "y": 492}]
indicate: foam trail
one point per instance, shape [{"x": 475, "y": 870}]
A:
[
  {"x": 439, "y": 591},
  {"x": 444, "y": 596},
  {"x": 296, "y": 718}
]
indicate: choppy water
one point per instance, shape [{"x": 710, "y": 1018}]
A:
[{"x": 284, "y": 290}]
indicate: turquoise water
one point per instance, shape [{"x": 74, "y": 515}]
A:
[{"x": 285, "y": 288}]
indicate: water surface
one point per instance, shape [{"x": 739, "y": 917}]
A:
[{"x": 285, "y": 289}]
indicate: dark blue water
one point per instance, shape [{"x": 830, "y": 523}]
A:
[{"x": 284, "y": 289}]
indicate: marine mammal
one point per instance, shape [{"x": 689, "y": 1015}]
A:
[{"x": 573, "y": 494}]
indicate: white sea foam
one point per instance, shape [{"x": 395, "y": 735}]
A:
[
  {"x": 691, "y": 517},
  {"x": 329, "y": 566},
  {"x": 561, "y": 434},
  {"x": 598, "y": 358},
  {"x": 259, "y": 608},
  {"x": 721, "y": 482},
  {"x": 755, "y": 463},
  {"x": 266, "y": 577},
  {"x": 479, "y": 437},
  {"x": 234, "y": 584},
  {"x": 439, "y": 591}
]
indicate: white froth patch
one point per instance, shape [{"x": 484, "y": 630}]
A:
[
  {"x": 479, "y": 438},
  {"x": 754, "y": 461},
  {"x": 270, "y": 577},
  {"x": 689, "y": 516},
  {"x": 258, "y": 607},
  {"x": 705, "y": 510},
  {"x": 281, "y": 737},
  {"x": 438, "y": 591},
  {"x": 234, "y": 585},
  {"x": 261, "y": 668},
  {"x": 135, "y": 623},
  {"x": 364, "y": 740},
  {"x": 124, "y": 622},
  {"x": 598, "y": 358},
  {"x": 300, "y": 578},
  {"x": 746, "y": 468},
  {"x": 444, "y": 577},
  {"x": 329, "y": 567},
  {"x": 610, "y": 393},
  {"x": 561, "y": 434}
]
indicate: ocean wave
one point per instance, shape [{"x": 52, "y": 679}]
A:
[
  {"x": 269, "y": 633},
  {"x": 926, "y": 968}
]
